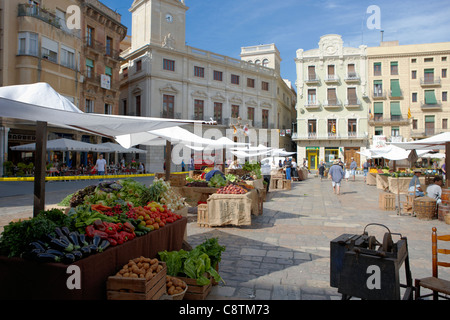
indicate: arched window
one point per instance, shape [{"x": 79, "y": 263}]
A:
[{"x": 265, "y": 62}]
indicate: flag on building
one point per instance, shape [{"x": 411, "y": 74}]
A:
[
  {"x": 370, "y": 114},
  {"x": 409, "y": 113}
]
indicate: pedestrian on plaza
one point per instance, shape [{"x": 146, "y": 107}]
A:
[
  {"x": 353, "y": 166},
  {"x": 434, "y": 190},
  {"x": 191, "y": 164},
  {"x": 321, "y": 170},
  {"x": 366, "y": 169},
  {"x": 183, "y": 168},
  {"x": 336, "y": 175},
  {"x": 287, "y": 167},
  {"x": 280, "y": 164},
  {"x": 100, "y": 165},
  {"x": 266, "y": 169},
  {"x": 294, "y": 172},
  {"x": 414, "y": 184}
]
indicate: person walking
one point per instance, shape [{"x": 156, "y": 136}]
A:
[
  {"x": 366, "y": 169},
  {"x": 100, "y": 165},
  {"x": 353, "y": 166},
  {"x": 321, "y": 170},
  {"x": 336, "y": 174}
]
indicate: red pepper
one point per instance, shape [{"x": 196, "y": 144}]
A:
[
  {"x": 112, "y": 241},
  {"x": 98, "y": 224},
  {"x": 102, "y": 234},
  {"x": 111, "y": 228},
  {"x": 128, "y": 227},
  {"x": 119, "y": 226},
  {"x": 90, "y": 231}
]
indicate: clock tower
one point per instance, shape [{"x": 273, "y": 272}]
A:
[{"x": 159, "y": 22}]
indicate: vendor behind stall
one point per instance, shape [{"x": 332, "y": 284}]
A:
[
  {"x": 414, "y": 184},
  {"x": 212, "y": 173}
]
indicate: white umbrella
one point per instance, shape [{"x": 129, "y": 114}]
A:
[
  {"x": 434, "y": 156},
  {"x": 65, "y": 145},
  {"x": 117, "y": 148}
]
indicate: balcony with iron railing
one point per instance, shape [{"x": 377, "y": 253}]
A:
[
  {"x": 332, "y": 104},
  {"x": 312, "y": 104},
  {"x": 32, "y": 10},
  {"x": 331, "y": 78},
  {"x": 352, "y": 103},
  {"x": 389, "y": 121},
  {"x": 430, "y": 81},
  {"x": 379, "y": 94},
  {"x": 312, "y": 79},
  {"x": 396, "y": 95},
  {"x": 329, "y": 136},
  {"x": 434, "y": 105},
  {"x": 352, "y": 77}
]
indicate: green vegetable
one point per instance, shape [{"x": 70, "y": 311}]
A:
[
  {"x": 217, "y": 181},
  {"x": 17, "y": 235},
  {"x": 196, "y": 263}
]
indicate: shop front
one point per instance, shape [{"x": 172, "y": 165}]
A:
[
  {"x": 312, "y": 154},
  {"x": 331, "y": 154}
]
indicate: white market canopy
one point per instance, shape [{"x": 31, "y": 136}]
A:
[
  {"x": 434, "y": 156},
  {"x": 436, "y": 142},
  {"x": 40, "y": 102},
  {"x": 65, "y": 145},
  {"x": 392, "y": 152},
  {"x": 175, "y": 135}
]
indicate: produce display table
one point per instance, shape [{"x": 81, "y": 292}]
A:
[
  {"x": 22, "y": 279},
  {"x": 257, "y": 184},
  {"x": 230, "y": 209},
  {"x": 382, "y": 182},
  {"x": 193, "y": 195},
  {"x": 401, "y": 184},
  {"x": 371, "y": 179}
]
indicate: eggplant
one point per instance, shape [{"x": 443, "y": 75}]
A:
[
  {"x": 55, "y": 252},
  {"x": 93, "y": 248},
  {"x": 73, "y": 237},
  {"x": 96, "y": 240},
  {"x": 78, "y": 254},
  {"x": 82, "y": 239},
  {"x": 68, "y": 258},
  {"x": 37, "y": 245},
  {"x": 65, "y": 239},
  {"x": 48, "y": 257},
  {"x": 66, "y": 231},
  {"x": 102, "y": 247},
  {"x": 86, "y": 250},
  {"x": 61, "y": 246},
  {"x": 59, "y": 232}
]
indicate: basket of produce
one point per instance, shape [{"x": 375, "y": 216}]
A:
[{"x": 175, "y": 289}]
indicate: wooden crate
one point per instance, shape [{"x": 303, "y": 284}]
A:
[
  {"x": 287, "y": 184},
  {"x": 202, "y": 215},
  {"x": 176, "y": 180},
  {"x": 195, "y": 291},
  {"x": 387, "y": 201},
  {"x": 120, "y": 288}
]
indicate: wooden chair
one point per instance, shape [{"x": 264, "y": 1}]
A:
[{"x": 440, "y": 287}]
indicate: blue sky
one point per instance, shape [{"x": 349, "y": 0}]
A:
[{"x": 224, "y": 27}]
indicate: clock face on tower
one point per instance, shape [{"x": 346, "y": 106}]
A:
[{"x": 169, "y": 18}]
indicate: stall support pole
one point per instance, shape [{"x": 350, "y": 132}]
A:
[
  {"x": 447, "y": 164},
  {"x": 40, "y": 166},
  {"x": 168, "y": 159}
]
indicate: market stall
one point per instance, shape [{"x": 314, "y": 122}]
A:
[{"x": 24, "y": 279}]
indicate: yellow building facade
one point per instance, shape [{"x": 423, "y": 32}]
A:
[{"x": 409, "y": 86}]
